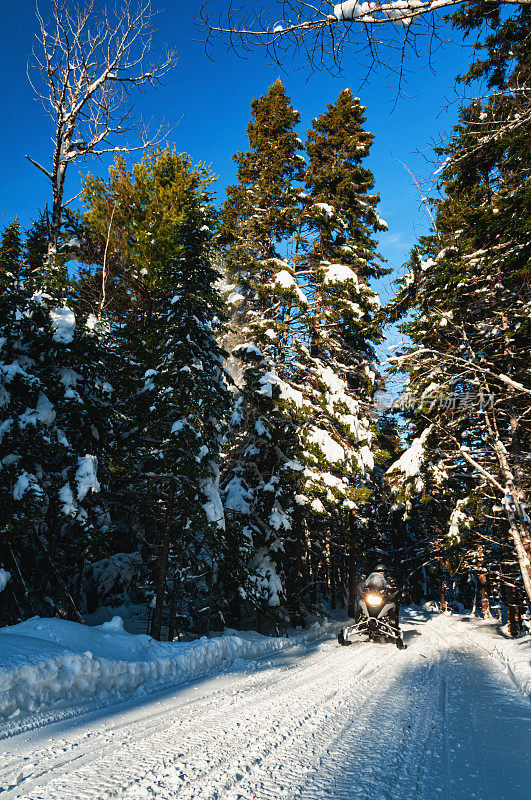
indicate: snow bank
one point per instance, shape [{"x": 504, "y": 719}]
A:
[
  {"x": 45, "y": 663},
  {"x": 514, "y": 654}
]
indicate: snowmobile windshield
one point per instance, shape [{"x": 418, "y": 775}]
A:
[{"x": 376, "y": 581}]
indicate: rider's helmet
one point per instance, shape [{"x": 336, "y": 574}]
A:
[{"x": 380, "y": 568}]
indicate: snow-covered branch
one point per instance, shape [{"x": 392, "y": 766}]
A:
[{"x": 324, "y": 30}]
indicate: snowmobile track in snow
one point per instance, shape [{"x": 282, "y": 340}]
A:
[{"x": 321, "y": 721}]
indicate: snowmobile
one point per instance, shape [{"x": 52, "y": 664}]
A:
[{"x": 377, "y": 618}]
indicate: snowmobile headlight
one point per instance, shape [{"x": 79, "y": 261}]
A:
[{"x": 373, "y": 600}]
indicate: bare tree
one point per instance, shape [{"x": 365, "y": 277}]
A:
[
  {"x": 324, "y": 30},
  {"x": 88, "y": 62}
]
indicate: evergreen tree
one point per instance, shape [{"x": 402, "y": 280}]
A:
[
  {"x": 335, "y": 365},
  {"x": 258, "y": 220},
  {"x": 56, "y": 429},
  {"x": 470, "y": 327},
  {"x": 175, "y": 398},
  {"x": 302, "y": 459},
  {"x": 337, "y": 256}
]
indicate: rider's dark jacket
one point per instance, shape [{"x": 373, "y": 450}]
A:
[{"x": 378, "y": 581}]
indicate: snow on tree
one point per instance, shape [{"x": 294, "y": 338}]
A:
[
  {"x": 304, "y": 320},
  {"x": 258, "y": 218},
  {"x": 470, "y": 298},
  {"x": 335, "y": 361},
  {"x": 55, "y": 401},
  {"x": 383, "y": 34},
  {"x": 178, "y": 398}
]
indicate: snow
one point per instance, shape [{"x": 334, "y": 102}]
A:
[
  {"x": 248, "y": 349},
  {"x": 350, "y": 9},
  {"x": 279, "y": 519},
  {"x": 92, "y": 322},
  {"x": 265, "y": 578},
  {"x": 260, "y": 427},
  {"x": 410, "y": 461},
  {"x": 44, "y": 412},
  {"x": 67, "y": 499},
  {"x": 24, "y": 482},
  {"x": 331, "y": 449},
  {"x": 4, "y": 577},
  {"x": 235, "y": 297},
  {"x": 270, "y": 379},
  {"x": 513, "y": 654},
  {"x": 338, "y": 273},
  {"x": 213, "y": 508},
  {"x": 86, "y": 479},
  {"x": 287, "y": 281},
  {"x": 281, "y": 718},
  {"x": 179, "y": 425},
  {"x": 237, "y": 496},
  {"x": 68, "y": 377},
  {"x": 365, "y": 458},
  {"x": 63, "y": 323},
  {"x": 324, "y": 208},
  {"x": 317, "y": 506},
  {"x": 458, "y": 519},
  {"x": 46, "y": 663}
]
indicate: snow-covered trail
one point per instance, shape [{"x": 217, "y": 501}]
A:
[{"x": 441, "y": 719}]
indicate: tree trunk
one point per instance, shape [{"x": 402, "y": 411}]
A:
[
  {"x": 524, "y": 557},
  {"x": 316, "y": 327},
  {"x": 342, "y": 581},
  {"x": 173, "y": 610},
  {"x": 482, "y": 583},
  {"x": 352, "y": 601},
  {"x": 513, "y": 610},
  {"x": 58, "y": 182},
  {"x": 518, "y": 525},
  {"x": 314, "y": 576},
  {"x": 296, "y": 573},
  {"x": 515, "y": 513},
  {"x": 483, "y": 594},
  {"x": 73, "y": 612},
  {"x": 444, "y": 604},
  {"x": 496, "y": 595},
  {"x": 333, "y": 600},
  {"x": 162, "y": 565}
]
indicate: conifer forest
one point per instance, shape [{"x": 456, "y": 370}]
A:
[
  {"x": 265, "y": 400},
  {"x": 195, "y": 424}
]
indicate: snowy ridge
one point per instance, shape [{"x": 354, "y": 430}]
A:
[{"x": 47, "y": 663}]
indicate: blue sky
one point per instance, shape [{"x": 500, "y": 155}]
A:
[{"x": 208, "y": 102}]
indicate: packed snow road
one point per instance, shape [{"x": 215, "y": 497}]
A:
[{"x": 440, "y": 719}]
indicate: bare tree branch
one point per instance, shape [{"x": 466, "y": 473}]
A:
[
  {"x": 324, "y": 30},
  {"x": 88, "y": 61}
]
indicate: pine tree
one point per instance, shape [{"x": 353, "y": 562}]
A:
[
  {"x": 175, "y": 399},
  {"x": 470, "y": 328},
  {"x": 55, "y": 432},
  {"x": 336, "y": 365},
  {"x": 302, "y": 459},
  {"x": 259, "y": 218}
]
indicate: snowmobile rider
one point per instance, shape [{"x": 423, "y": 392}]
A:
[{"x": 380, "y": 581}]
